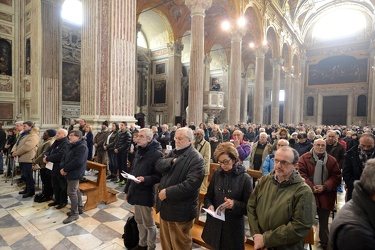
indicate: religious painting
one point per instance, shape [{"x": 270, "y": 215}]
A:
[
  {"x": 6, "y": 111},
  {"x": 160, "y": 91},
  {"x": 160, "y": 68},
  {"x": 71, "y": 81},
  {"x": 215, "y": 84},
  {"x": 338, "y": 69},
  {"x": 28, "y": 57},
  {"x": 5, "y": 57}
]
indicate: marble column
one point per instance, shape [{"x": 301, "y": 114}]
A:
[
  {"x": 371, "y": 87},
  {"x": 319, "y": 113},
  {"x": 225, "y": 88},
  {"x": 244, "y": 97},
  {"x": 45, "y": 88},
  {"x": 288, "y": 96},
  {"x": 296, "y": 116},
  {"x": 259, "y": 85},
  {"x": 276, "y": 63},
  {"x": 108, "y": 72},
  {"x": 303, "y": 77},
  {"x": 350, "y": 108},
  {"x": 235, "y": 76},
  {"x": 174, "y": 81},
  {"x": 196, "y": 74},
  {"x": 207, "y": 64}
]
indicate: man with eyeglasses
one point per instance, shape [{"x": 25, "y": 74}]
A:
[
  {"x": 281, "y": 209},
  {"x": 355, "y": 160},
  {"x": 322, "y": 173}
]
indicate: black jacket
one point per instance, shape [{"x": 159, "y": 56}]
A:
[
  {"x": 123, "y": 141},
  {"x": 75, "y": 160},
  {"x": 354, "y": 225},
  {"x": 182, "y": 181},
  {"x": 164, "y": 139},
  {"x": 55, "y": 153},
  {"x": 144, "y": 165},
  {"x": 303, "y": 147}
]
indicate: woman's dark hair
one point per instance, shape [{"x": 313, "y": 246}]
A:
[{"x": 117, "y": 126}]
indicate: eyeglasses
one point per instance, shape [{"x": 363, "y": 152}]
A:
[
  {"x": 225, "y": 162},
  {"x": 282, "y": 163},
  {"x": 320, "y": 145}
]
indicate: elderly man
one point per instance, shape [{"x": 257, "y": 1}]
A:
[
  {"x": 141, "y": 193},
  {"x": 242, "y": 147},
  {"x": 322, "y": 173},
  {"x": 73, "y": 165},
  {"x": 354, "y": 225},
  {"x": 183, "y": 173},
  {"x": 283, "y": 196},
  {"x": 355, "y": 160},
  {"x": 54, "y": 155},
  {"x": 164, "y": 137},
  {"x": 204, "y": 148},
  {"x": 100, "y": 138}
]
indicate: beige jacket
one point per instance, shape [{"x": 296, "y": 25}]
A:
[
  {"x": 27, "y": 146},
  {"x": 204, "y": 148},
  {"x": 267, "y": 150}
]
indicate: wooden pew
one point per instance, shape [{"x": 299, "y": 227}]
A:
[
  {"x": 97, "y": 192},
  {"x": 213, "y": 167},
  {"x": 254, "y": 173}
]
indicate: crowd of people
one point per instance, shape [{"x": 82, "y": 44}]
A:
[{"x": 302, "y": 167}]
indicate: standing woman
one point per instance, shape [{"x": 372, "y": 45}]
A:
[
  {"x": 215, "y": 139},
  {"x": 231, "y": 186},
  {"x": 109, "y": 146},
  {"x": 90, "y": 141}
]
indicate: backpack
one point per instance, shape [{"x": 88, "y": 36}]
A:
[{"x": 131, "y": 234}]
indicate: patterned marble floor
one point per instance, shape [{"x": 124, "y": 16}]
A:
[{"x": 25, "y": 224}]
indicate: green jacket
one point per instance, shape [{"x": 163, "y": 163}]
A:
[{"x": 282, "y": 212}]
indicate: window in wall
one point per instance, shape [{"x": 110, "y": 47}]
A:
[
  {"x": 141, "y": 40},
  {"x": 339, "y": 24},
  {"x": 361, "y": 105},
  {"x": 72, "y": 11},
  {"x": 310, "y": 106}
]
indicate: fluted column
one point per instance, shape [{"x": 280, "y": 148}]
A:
[
  {"x": 225, "y": 88},
  {"x": 207, "y": 64},
  {"x": 288, "y": 95},
  {"x": 296, "y": 116},
  {"x": 235, "y": 76},
  {"x": 197, "y": 9},
  {"x": 371, "y": 87},
  {"x": 275, "y": 106},
  {"x": 174, "y": 81},
  {"x": 108, "y": 73},
  {"x": 44, "y": 97},
  {"x": 259, "y": 85}
]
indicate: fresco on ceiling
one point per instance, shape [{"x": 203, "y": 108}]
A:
[
  {"x": 71, "y": 81},
  {"x": 338, "y": 69}
]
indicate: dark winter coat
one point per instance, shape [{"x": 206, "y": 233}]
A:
[
  {"x": 164, "y": 139},
  {"x": 354, "y": 225},
  {"x": 303, "y": 147},
  {"x": 90, "y": 144},
  {"x": 182, "y": 181},
  {"x": 144, "y": 165},
  {"x": 74, "y": 160},
  {"x": 235, "y": 184},
  {"x": 111, "y": 143},
  {"x": 338, "y": 152},
  {"x": 123, "y": 141},
  {"x": 55, "y": 153}
]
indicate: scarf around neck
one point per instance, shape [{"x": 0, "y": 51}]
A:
[{"x": 320, "y": 173}]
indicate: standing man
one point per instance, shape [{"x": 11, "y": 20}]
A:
[
  {"x": 164, "y": 137},
  {"x": 3, "y": 139},
  {"x": 354, "y": 225},
  {"x": 281, "y": 209},
  {"x": 204, "y": 148},
  {"x": 122, "y": 146},
  {"x": 322, "y": 173},
  {"x": 82, "y": 126},
  {"x": 355, "y": 160},
  {"x": 100, "y": 138},
  {"x": 25, "y": 149},
  {"x": 183, "y": 173},
  {"x": 54, "y": 155},
  {"x": 141, "y": 194},
  {"x": 73, "y": 165}
]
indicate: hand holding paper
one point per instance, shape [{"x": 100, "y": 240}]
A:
[
  {"x": 130, "y": 177},
  {"x": 218, "y": 214}
]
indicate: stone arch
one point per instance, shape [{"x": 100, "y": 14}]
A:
[{"x": 273, "y": 41}]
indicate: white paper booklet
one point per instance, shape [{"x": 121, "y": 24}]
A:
[
  {"x": 218, "y": 214},
  {"x": 130, "y": 177},
  {"x": 49, "y": 165}
]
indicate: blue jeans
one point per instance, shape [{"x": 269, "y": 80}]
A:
[
  {"x": 112, "y": 162},
  {"x": 75, "y": 196},
  {"x": 27, "y": 175}
]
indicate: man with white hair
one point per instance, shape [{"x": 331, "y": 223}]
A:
[
  {"x": 204, "y": 148},
  {"x": 182, "y": 174},
  {"x": 164, "y": 137}
]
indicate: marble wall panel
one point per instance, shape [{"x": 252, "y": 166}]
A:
[
  {"x": 6, "y": 111},
  {"x": 6, "y": 17},
  {"x": 6, "y": 2},
  {"x": 5, "y": 29}
]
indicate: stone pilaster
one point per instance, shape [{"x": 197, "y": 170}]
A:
[
  {"x": 235, "y": 76},
  {"x": 259, "y": 85},
  {"x": 371, "y": 87},
  {"x": 196, "y": 74},
  {"x": 276, "y": 63},
  {"x": 174, "y": 81},
  {"x": 207, "y": 63},
  {"x": 108, "y": 73},
  {"x": 45, "y": 88},
  {"x": 288, "y": 96},
  {"x": 296, "y": 115}
]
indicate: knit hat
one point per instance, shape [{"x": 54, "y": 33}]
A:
[
  {"x": 51, "y": 132},
  {"x": 105, "y": 123}
]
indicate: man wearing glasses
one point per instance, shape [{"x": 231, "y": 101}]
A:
[
  {"x": 322, "y": 173},
  {"x": 281, "y": 209}
]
